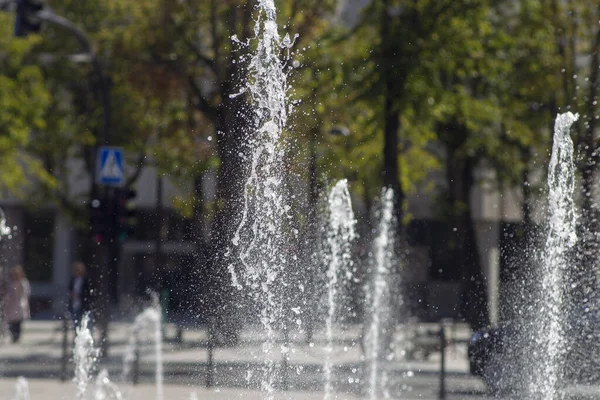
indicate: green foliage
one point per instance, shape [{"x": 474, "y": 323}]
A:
[
  {"x": 24, "y": 99},
  {"x": 477, "y": 65},
  {"x": 481, "y": 68}
]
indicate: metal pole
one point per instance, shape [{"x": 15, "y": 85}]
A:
[
  {"x": 442, "y": 362},
  {"x": 210, "y": 363},
  {"x": 106, "y": 260},
  {"x": 135, "y": 379},
  {"x": 49, "y": 16},
  {"x": 159, "y": 224},
  {"x": 65, "y": 348},
  {"x": 285, "y": 385}
]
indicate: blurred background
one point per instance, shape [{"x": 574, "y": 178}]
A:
[{"x": 449, "y": 102}]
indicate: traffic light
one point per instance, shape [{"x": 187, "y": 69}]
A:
[
  {"x": 125, "y": 213},
  {"x": 100, "y": 219},
  {"x": 27, "y": 21}
]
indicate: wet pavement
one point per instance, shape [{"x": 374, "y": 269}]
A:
[{"x": 236, "y": 370}]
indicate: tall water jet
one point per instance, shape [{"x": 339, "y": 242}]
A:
[
  {"x": 105, "y": 389},
  {"x": 21, "y": 389},
  {"x": 549, "y": 340},
  {"x": 85, "y": 356},
  {"x": 260, "y": 244},
  {"x": 338, "y": 258},
  {"x": 146, "y": 326},
  {"x": 379, "y": 305}
]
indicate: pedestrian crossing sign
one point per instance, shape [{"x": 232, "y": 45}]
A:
[{"x": 109, "y": 170}]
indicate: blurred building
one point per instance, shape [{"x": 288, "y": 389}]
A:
[{"x": 45, "y": 242}]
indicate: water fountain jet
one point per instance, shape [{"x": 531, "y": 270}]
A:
[
  {"x": 146, "y": 326},
  {"x": 259, "y": 256},
  {"x": 340, "y": 235},
  {"x": 85, "y": 356},
  {"x": 549, "y": 339},
  {"x": 379, "y": 300}
]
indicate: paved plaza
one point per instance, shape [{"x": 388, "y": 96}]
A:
[{"x": 236, "y": 370}]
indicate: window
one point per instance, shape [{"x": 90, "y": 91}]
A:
[{"x": 39, "y": 245}]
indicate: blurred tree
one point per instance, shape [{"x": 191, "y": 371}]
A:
[
  {"x": 191, "y": 43},
  {"x": 457, "y": 92},
  {"x": 24, "y": 100}
]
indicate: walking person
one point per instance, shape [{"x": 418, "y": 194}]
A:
[
  {"x": 79, "y": 293},
  {"x": 16, "y": 301}
]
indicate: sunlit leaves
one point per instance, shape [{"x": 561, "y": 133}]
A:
[{"x": 23, "y": 102}]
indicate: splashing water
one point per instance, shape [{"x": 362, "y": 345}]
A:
[
  {"x": 21, "y": 389},
  {"x": 378, "y": 297},
  {"x": 340, "y": 235},
  {"x": 105, "y": 389},
  {"x": 260, "y": 244},
  {"x": 85, "y": 356},
  {"x": 146, "y": 326},
  {"x": 549, "y": 335},
  {"x": 4, "y": 229}
]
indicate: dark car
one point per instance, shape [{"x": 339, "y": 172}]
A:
[
  {"x": 483, "y": 345},
  {"x": 494, "y": 356},
  {"x": 498, "y": 354}
]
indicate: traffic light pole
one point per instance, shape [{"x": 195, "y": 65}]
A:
[
  {"x": 106, "y": 252},
  {"x": 49, "y": 16}
]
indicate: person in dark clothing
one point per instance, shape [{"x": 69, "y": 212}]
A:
[{"x": 79, "y": 293}]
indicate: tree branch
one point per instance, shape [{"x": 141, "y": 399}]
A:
[
  {"x": 202, "y": 103},
  {"x": 200, "y": 56},
  {"x": 141, "y": 162}
]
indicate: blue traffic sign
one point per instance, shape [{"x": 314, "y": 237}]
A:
[{"x": 109, "y": 169}]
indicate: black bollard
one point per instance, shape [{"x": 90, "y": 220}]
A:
[
  {"x": 210, "y": 363},
  {"x": 285, "y": 385},
  {"x": 135, "y": 376},
  {"x": 64, "y": 361},
  {"x": 442, "y": 362},
  {"x": 135, "y": 379}
]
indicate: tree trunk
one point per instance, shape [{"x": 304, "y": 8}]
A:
[
  {"x": 391, "y": 169},
  {"x": 473, "y": 304}
]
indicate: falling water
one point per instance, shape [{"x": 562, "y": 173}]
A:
[
  {"x": 21, "y": 389},
  {"x": 260, "y": 244},
  {"x": 378, "y": 296},
  {"x": 105, "y": 389},
  {"x": 4, "y": 229},
  {"x": 85, "y": 356},
  {"x": 146, "y": 326},
  {"x": 549, "y": 338},
  {"x": 340, "y": 235}
]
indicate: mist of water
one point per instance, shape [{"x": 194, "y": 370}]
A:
[
  {"x": 85, "y": 356},
  {"x": 338, "y": 258},
  {"x": 379, "y": 298},
  {"x": 561, "y": 226}
]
